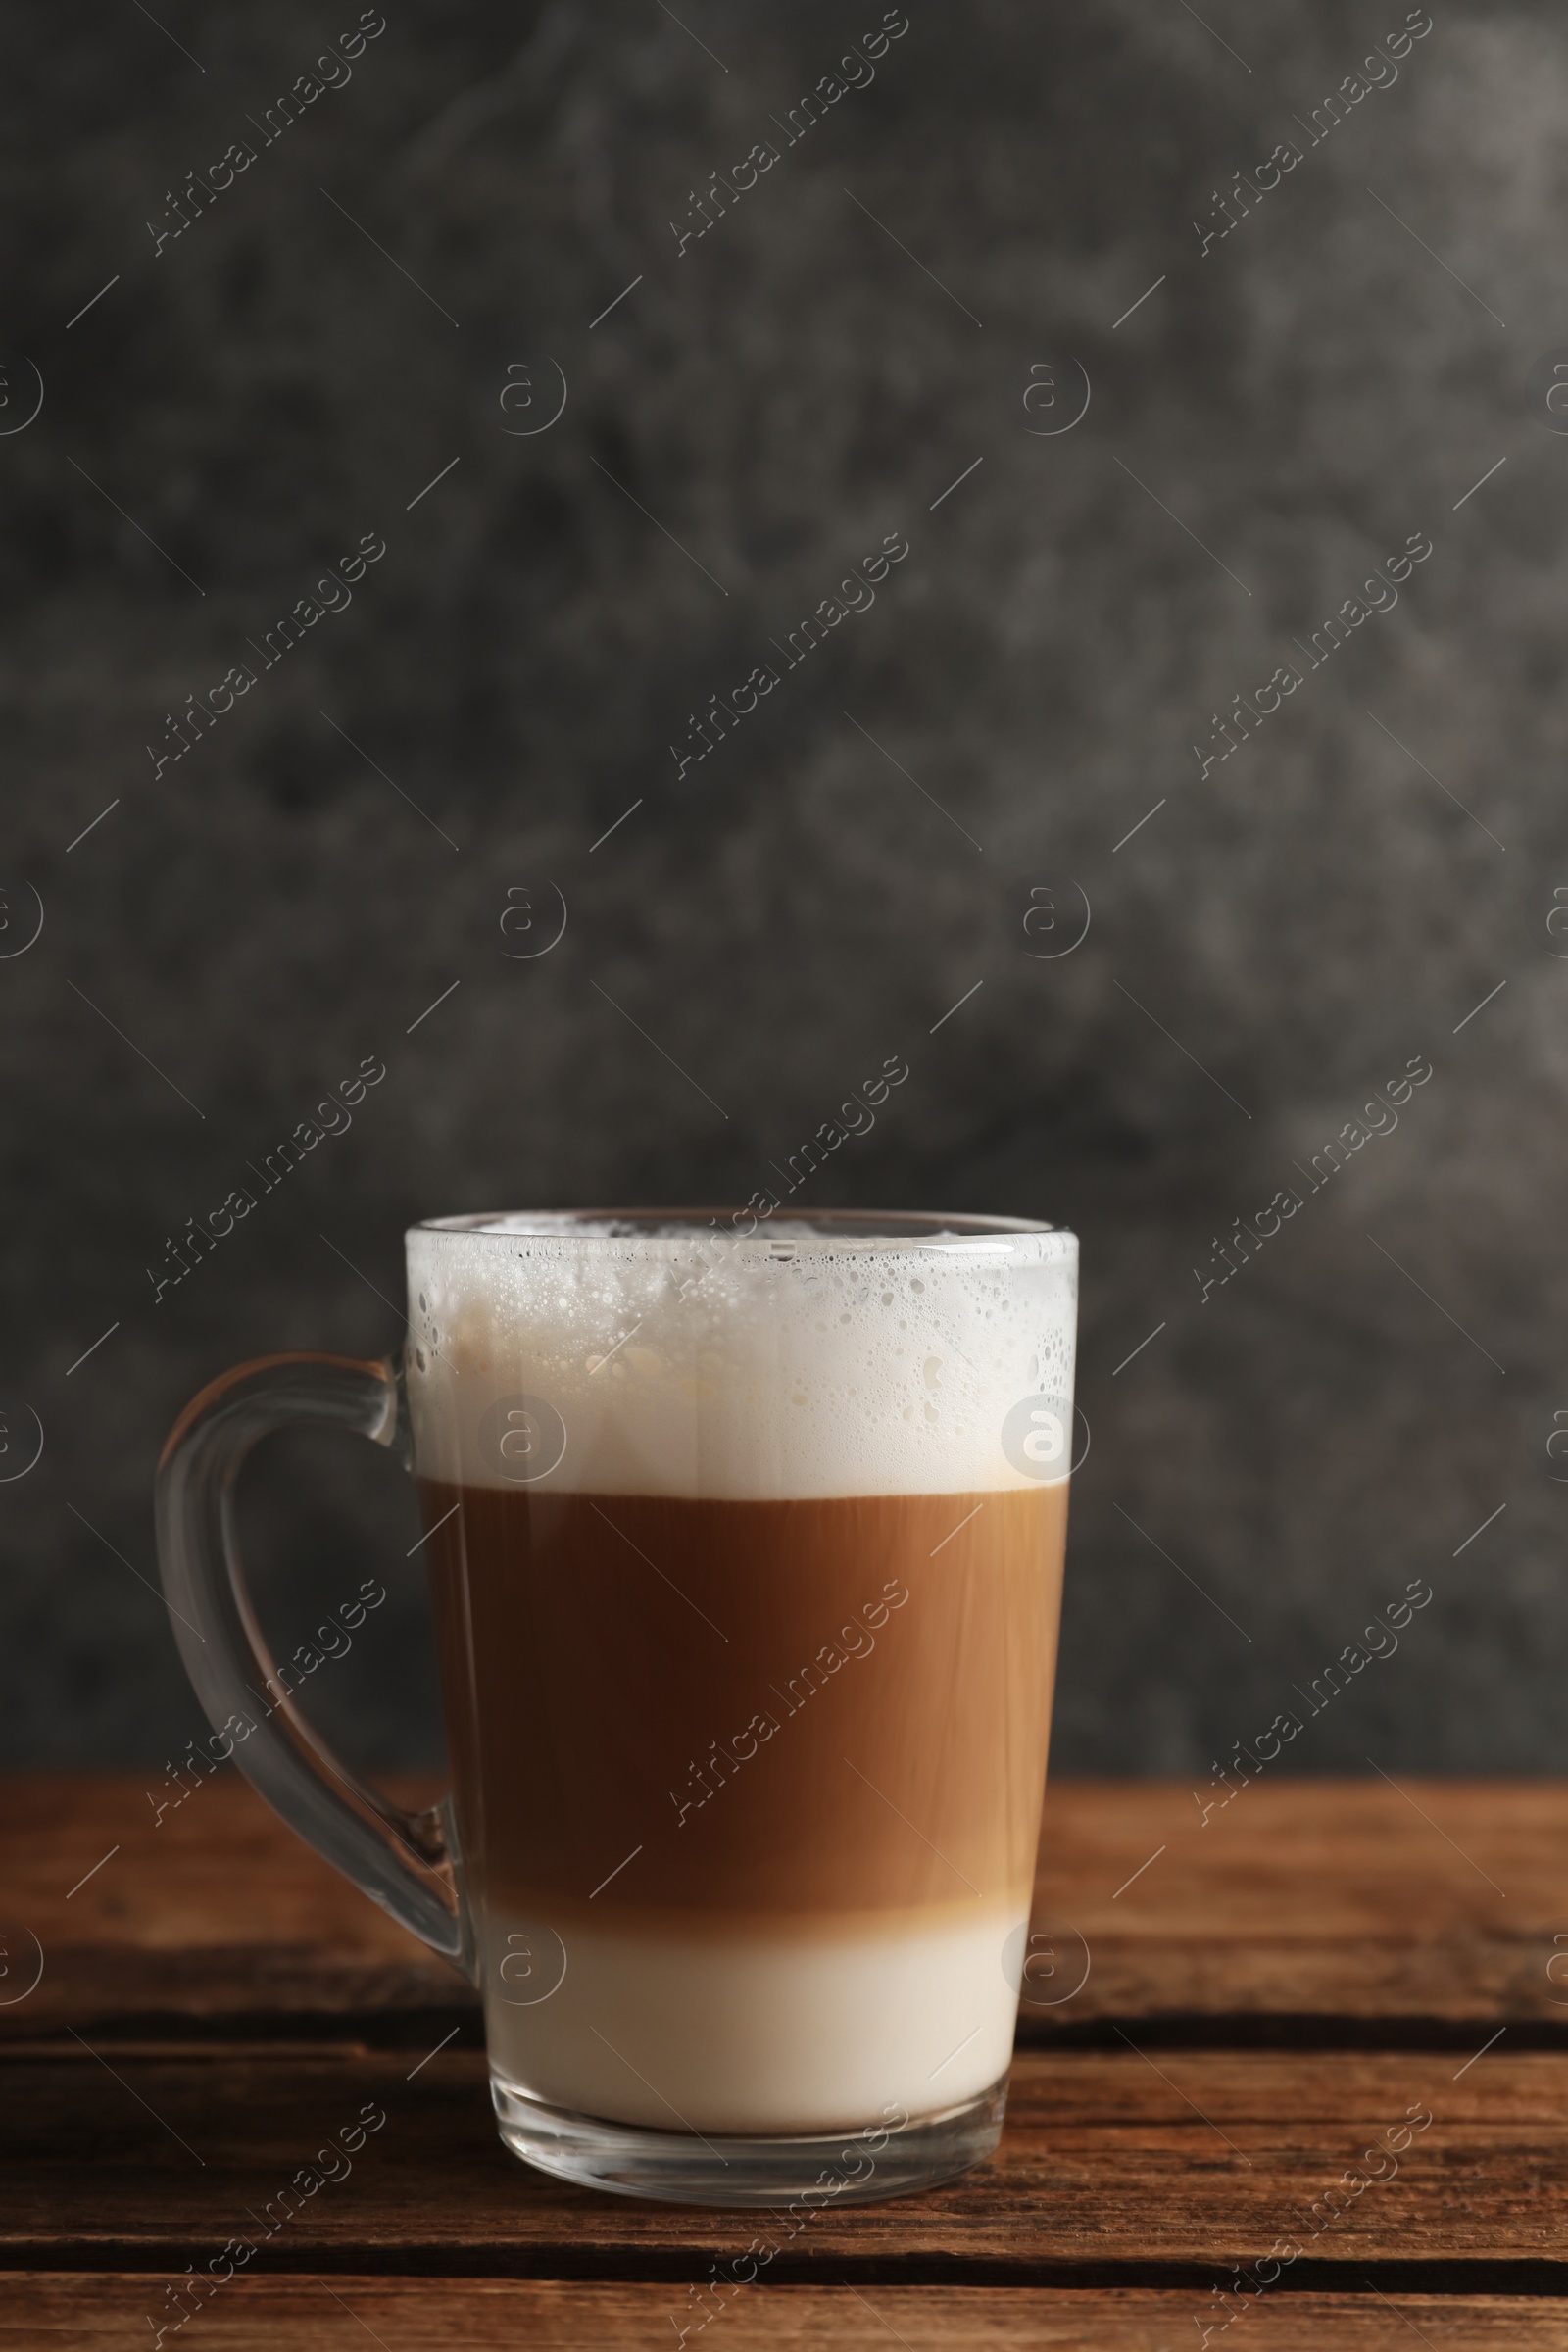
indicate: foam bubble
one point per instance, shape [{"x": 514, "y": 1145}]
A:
[{"x": 624, "y": 1357}]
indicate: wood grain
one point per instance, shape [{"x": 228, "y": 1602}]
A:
[
  {"x": 1326, "y": 1899},
  {"x": 104, "y": 2313},
  {"x": 217, "y": 1910},
  {"x": 1336, "y": 1898},
  {"x": 1205, "y": 2157}
]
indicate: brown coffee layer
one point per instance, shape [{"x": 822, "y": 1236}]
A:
[{"x": 666, "y": 1712}]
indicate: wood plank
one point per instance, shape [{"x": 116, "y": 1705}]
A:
[
  {"x": 1434, "y": 1899},
  {"x": 215, "y": 1911},
  {"x": 70, "y": 2313},
  {"x": 1107, "y": 2160},
  {"x": 1335, "y": 1900}
]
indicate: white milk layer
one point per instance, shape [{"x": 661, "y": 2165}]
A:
[
  {"x": 750, "y": 2036},
  {"x": 786, "y": 1366}
]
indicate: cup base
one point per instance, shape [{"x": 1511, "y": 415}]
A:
[{"x": 683, "y": 2168}]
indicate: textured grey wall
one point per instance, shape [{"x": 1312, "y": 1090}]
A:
[{"x": 881, "y": 336}]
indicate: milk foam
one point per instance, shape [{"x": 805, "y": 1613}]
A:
[{"x": 794, "y": 1364}]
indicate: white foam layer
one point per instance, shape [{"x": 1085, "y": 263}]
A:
[
  {"x": 791, "y": 1366},
  {"x": 753, "y": 2036}
]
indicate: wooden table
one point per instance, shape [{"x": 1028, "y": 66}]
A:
[{"x": 1268, "y": 1997}]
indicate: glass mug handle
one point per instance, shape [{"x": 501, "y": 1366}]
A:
[{"x": 403, "y": 1861}]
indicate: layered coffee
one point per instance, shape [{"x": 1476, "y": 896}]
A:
[{"x": 748, "y": 1631}]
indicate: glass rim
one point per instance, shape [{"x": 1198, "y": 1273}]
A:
[{"x": 833, "y": 1228}]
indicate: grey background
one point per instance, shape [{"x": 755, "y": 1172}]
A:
[{"x": 1278, "y": 940}]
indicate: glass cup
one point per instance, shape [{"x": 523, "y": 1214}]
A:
[{"x": 745, "y": 1541}]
